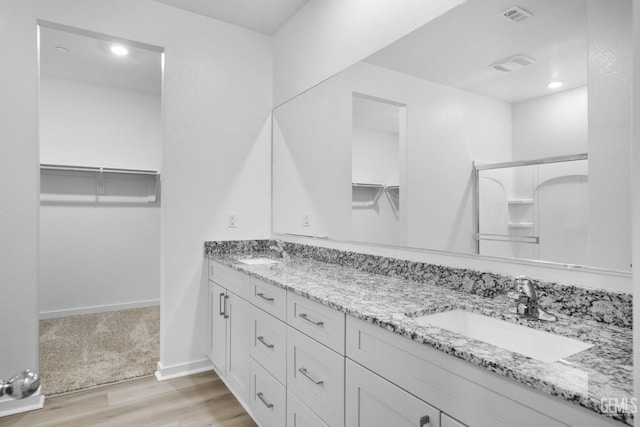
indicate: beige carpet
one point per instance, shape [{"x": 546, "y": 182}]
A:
[{"x": 78, "y": 352}]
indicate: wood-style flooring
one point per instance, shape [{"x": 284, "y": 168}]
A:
[{"x": 195, "y": 400}]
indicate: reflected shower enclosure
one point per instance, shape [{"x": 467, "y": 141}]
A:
[{"x": 535, "y": 210}]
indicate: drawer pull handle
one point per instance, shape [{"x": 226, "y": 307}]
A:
[
  {"x": 226, "y": 304},
  {"x": 261, "y": 339},
  {"x": 268, "y": 405},
  {"x": 304, "y": 372},
  {"x": 261, "y": 295},
  {"x": 221, "y": 304},
  {"x": 424, "y": 420},
  {"x": 305, "y": 317}
]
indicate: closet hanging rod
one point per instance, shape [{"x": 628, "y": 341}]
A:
[{"x": 44, "y": 166}]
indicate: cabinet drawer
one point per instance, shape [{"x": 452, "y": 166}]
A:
[
  {"x": 268, "y": 343},
  {"x": 373, "y": 401},
  {"x": 268, "y": 400},
  {"x": 315, "y": 374},
  {"x": 233, "y": 280},
  {"x": 320, "y": 322},
  {"x": 270, "y": 298},
  {"x": 299, "y": 415}
]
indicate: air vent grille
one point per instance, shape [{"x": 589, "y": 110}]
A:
[
  {"x": 516, "y": 14},
  {"x": 513, "y": 63}
]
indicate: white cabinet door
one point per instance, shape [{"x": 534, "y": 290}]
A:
[
  {"x": 218, "y": 325},
  {"x": 238, "y": 343},
  {"x": 372, "y": 401}
]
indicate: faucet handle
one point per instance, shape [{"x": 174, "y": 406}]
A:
[{"x": 514, "y": 295}]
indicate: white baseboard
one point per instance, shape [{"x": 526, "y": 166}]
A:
[
  {"x": 164, "y": 373},
  {"x": 9, "y": 406},
  {"x": 97, "y": 309}
]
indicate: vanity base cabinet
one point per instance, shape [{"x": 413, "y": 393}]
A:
[
  {"x": 372, "y": 401},
  {"x": 466, "y": 392}
]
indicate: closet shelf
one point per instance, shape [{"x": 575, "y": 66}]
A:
[
  {"x": 50, "y": 167},
  {"x": 90, "y": 184},
  {"x": 520, "y": 201},
  {"x": 521, "y": 224},
  {"x": 365, "y": 194}
]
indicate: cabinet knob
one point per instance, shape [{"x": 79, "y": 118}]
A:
[{"x": 424, "y": 420}]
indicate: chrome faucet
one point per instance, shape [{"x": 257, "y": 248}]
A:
[
  {"x": 21, "y": 385},
  {"x": 526, "y": 301},
  {"x": 279, "y": 248}
]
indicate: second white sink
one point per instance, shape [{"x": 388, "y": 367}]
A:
[{"x": 540, "y": 345}]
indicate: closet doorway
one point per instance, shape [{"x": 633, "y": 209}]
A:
[{"x": 100, "y": 134}]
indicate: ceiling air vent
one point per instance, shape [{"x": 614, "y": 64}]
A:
[
  {"x": 516, "y": 14},
  {"x": 513, "y": 63}
]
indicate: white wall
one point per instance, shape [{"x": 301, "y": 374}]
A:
[
  {"x": 610, "y": 91},
  {"x": 552, "y": 125},
  {"x": 19, "y": 188},
  {"x": 217, "y": 100},
  {"x": 327, "y": 36},
  {"x": 93, "y": 125},
  {"x": 375, "y": 156},
  {"x": 97, "y": 258}
]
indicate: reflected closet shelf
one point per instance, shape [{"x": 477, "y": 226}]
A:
[{"x": 365, "y": 195}]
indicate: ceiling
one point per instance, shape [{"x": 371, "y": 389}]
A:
[
  {"x": 264, "y": 16},
  {"x": 457, "y": 48},
  {"x": 88, "y": 59}
]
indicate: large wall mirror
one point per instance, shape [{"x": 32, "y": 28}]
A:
[{"x": 499, "y": 129}]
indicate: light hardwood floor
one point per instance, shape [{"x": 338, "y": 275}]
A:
[{"x": 196, "y": 400}]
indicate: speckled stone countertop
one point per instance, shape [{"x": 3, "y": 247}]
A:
[{"x": 603, "y": 371}]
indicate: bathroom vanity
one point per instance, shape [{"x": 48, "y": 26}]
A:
[{"x": 300, "y": 342}]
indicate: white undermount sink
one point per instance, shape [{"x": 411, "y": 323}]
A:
[
  {"x": 540, "y": 345},
  {"x": 258, "y": 261}
]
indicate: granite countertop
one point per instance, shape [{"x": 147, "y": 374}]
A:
[{"x": 603, "y": 371}]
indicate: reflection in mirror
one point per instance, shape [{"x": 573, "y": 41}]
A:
[
  {"x": 476, "y": 87},
  {"x": 377, "y": 140},
  {"x": 534, "y": 210}
]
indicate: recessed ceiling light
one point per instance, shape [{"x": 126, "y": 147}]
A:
[
  {"x": 119, "y": 50},
  {"x": 555, "y": 84},
  {"x": 62, "y": 49}
]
